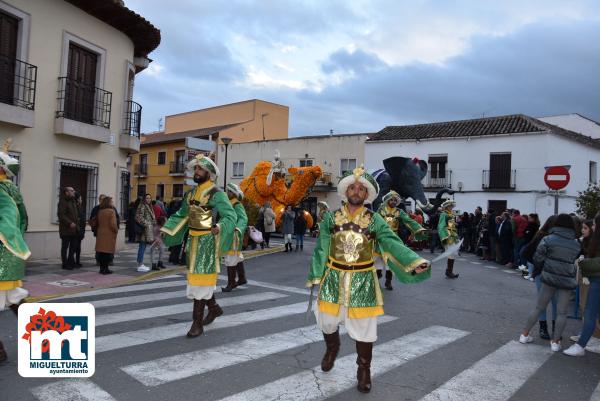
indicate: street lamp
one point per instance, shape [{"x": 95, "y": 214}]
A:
[{"x": 226, "y": 141}]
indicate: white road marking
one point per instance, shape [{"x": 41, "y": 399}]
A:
[
  {"x": 71, "y": 390},
  {"x": 596, "y": 394},
  {"x": 490, "y": 267},
  {"x": 157, "y": 296},
  {"x": 476, "y": 263},
  {"x": 146, "y": 336},
  {"x": 496, "y": 377},
  {"x": 509, "y": 271},
  {"x": 149, "y": 313},
  {"x": 317, "y": 385},
  {"x": 294, "y": 290},
  {"x": 127, "y": 288},
  {"x": 177, "y": 367}
]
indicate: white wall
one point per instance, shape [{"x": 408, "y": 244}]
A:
[{"x": 575, "y": 123}]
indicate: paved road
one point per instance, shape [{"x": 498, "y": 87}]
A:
[{"x": 440, "y": 340}]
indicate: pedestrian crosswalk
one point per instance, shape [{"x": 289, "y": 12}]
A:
[{"x": 269, "y": 320}]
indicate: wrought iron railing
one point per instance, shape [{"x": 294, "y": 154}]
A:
[
  {"x": 140, "y": 169},
  {"x": 84, "y": 103},
  {"x": 438, "y": 179},
  {"x": 133, "y": 118},
  {"x": 177, "y": 167},
  {"x": 17, "y": 82},
  {"x": 499, "y": 179}
]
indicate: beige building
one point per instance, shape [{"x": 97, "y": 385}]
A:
[
  {"x": 334, "y": 153},
  {"x": 67, "y": 74},
  {"x": 247, "y": 121}
]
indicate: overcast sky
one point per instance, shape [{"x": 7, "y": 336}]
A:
[{"x": 357, "y": 66}]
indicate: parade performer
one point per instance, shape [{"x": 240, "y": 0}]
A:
[
  {"x": 447, "y": 232},
  {"x": 207, "y": 235},
  {"x": 234, "y": 259},
  {"x": 13, "y": 249},
  {"x": 342, "y": 264},
  {"x": 393, "y": 216}
]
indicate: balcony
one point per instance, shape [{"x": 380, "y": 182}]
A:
[
  {"x": 438, "y": 179},
  {"x": 83, "y": 111},
  {"x": 130, "y": 135},
  {"x": 17, "y": 92},
  {"x": 325, "y": 183},
  {"x": 499, "y": 180},
  {"x": 177, "y": 168},
  {"x": 140, "y": 170}
]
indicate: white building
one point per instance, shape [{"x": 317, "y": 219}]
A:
[
  {"x": 497, "y": 162},
  {"x": 66, "y": 100},
  {"x": 334, "y": 153}
]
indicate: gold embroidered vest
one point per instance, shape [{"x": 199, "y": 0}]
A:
[{"x": 351, "y": 241}]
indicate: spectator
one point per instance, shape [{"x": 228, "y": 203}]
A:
[
  {"x": 146, "y": 220},
  {"x": 300, "y": 229},
  {"x": 106, "y": 234},
  {"x": 434, "y": 236},
  {"x": 68, "y": 219},
  {"x": 483, "y": 243},
  {"x": 590, "y": 269},
  {"x": 159, "y": 210},
  {"x": 157, "y": 245},
  {"x": 555, "y": 256},
  {"x": 476, "y": 222},
  {"x": 527, "y": 254},
  {"x": 81, "y": 223},
  {"x": 519, "y": 224},
  {"x": 532, "y": 228},
  {"x": 268, "y": 222},
  {"x": 505, "y": 237},
  {"x": 287, "y": 227},
  {"x": 493, "y": 233},
  {"x": 131, "y": 219},
  {"x": 161, "y": 204}
]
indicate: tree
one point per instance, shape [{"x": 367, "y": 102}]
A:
[{"x": 588, "y": 201}]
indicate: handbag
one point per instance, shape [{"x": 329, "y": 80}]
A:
[
  {"x": 255, "y": 235},
  {"x": 139, "y": 229}
]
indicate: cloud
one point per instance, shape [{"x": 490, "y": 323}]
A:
[{"x": 355, "y": 62}]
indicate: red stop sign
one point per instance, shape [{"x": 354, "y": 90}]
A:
[{"x": 557, "y": 177}]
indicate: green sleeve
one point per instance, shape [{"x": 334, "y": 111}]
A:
[
  {"x": 11, "y": 226},
  {"x": 443, "y": 227},
  {"x": 590, "y": 267},
  {"x": 321, "y": 252},
  {"x": 242, "y": 218},
  {"x": 400, "y": 259},
  {"x": 415, "y": 228},
  {"x": 177, "y": 225},
  {"x": 227, "y": 219}
]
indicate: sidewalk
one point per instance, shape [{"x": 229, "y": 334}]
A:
[{"x": 45, "y": 278}]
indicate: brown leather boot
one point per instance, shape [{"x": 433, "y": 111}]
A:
[
  {"x": 332, "y": 341},
  {"x": 388, "y": 280},
  {"x": 449, "y": 268},
  {"x": 363, "y": 374},
  {"x": 241, "y": 272},
  {"x": 214, "y": 311},
  {"x": 3, "y": 355},
  {"x": 197, "y": 316},
  {"x": 230, "y": 279}
]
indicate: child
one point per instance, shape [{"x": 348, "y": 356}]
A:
[{"x": 157, "y": 244}]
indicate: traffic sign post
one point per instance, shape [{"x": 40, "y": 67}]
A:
[{"x": 557, "y": 178}]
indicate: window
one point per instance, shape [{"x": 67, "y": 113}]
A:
[
  {"x": 160, "y": 190},
  {"x": 17, "y": 178},
  {"x": 593, "y": 172},
  {"x": 306, "y": 162},
  {"x": 9, "y": 29},
  {"x": 162, "y": 158},
  {"x": 141, "y": 190},
  {"x": 177, "y": 190},
  {"x": 142, "y": 167},
  {"x": 347, "y": 165},
  {"x": 500, "y": 171},
  {"x": 81, "y": 177},
  {"x": 124, "y": 189},
  {"x": 238, "y": 169},
  {"x": 80, "y": 84},
  {"x": 437, "y": 165}
]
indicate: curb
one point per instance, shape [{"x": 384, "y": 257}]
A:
[{"x": 144, "y": 277}]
